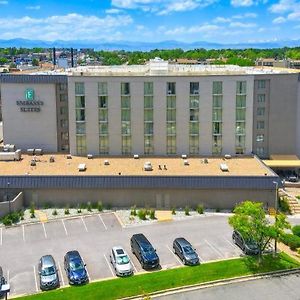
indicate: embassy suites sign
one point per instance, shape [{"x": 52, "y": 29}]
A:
[{"x": 30, "y": 104}]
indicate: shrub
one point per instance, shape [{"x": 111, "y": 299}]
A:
[
  {"x": 67, "y": 210},
  {"x": 7, "y": 221},
  {"x": 78, "y": 210},
  {"x": 152, "y": 214},
  {"x": 173, "y": 211},
  {"x": 142, "y": 214},
  {"x": 32, "y": 209},
  {"x": 284, "y": 205},
  {"x": 54, "y": 213},
  {"x": 298, "y": 197},
  {"x": 83, "y": 205},
  {"x": 89, "y": 206},
  {"x": 200, "y": 209},
  {"x": 187, "y": 211},
  {"x": 15, "y": 217},
  {"x": 133, "y": 211},
  {"x": 147, "y": 212},
  {"x": 293, "y": 241},
  {"x": 296, "y": 230},
  {"x": 99, "y": 206}
]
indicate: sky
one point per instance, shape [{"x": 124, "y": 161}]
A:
[{"x": 230, "y": 21}]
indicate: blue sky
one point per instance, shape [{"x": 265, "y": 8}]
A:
[{"x": 230, "y": 21}]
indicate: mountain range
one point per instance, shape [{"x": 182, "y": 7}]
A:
[{"x": 142, "y": 46}]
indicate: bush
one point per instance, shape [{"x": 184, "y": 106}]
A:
[
  {"x": 200, "y": 209},
  {"x": 293, "y": 241},
  {"x": 83, "y": 205},
  {"x": 142, "y": 214},
  {"x": 152, "y": 214},
  {"x": 99, "y": 206},
  {"x": 108, "y": 206},
  {"x": 296, "y": 230},
  {"x": 67, "y": 210},
  {"x": 298, "y": 197},
  {"x": 15, "y": 217},
  {"x": 284, "y": 205},
  {"x": 89, "y": 206},
  {"x": 94, "y": 205},
  {"x": 7, "y": 220},
  {"x": 133, "y": 211},
  {"x": 187, "y": 211},
  {"x": 78, "y": 210},
  {"x": 32, "y": 209},
  {"x": 54, "y": 213},
  {"x": 173, "y": 211}
]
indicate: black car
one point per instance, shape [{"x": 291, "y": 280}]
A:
[
  {"x": 185, "y": 252},
  {"x": 144, "y": 251},
  {"x": 75, "y": 268},
  {"x": 48, "y": 273},
  {"x": 248, "y": 247}
]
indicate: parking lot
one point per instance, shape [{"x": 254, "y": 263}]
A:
[{"x": 94, "y": 236}]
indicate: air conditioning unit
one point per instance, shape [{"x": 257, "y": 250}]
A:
[
  {"x": 186, "y": 162},
  {"x": 224, "y": 168},
  {"x": 38, "y": 151},
  {"x": 148, "y": 166},
  {"x": 136, "y": 156},
  {"x": 90, "y": 156},
  {"x": 184, "y": 156},
  {"x": 69, "y": 156},
  {"x": 106, "y": 162},
  {"x": 227, "y": 156},
  {"x": 82, "y": 167},
  {"x": 30, "y": 151},
  {"x": 33, "y": 163}
]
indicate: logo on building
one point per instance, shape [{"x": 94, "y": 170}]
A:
[{"x": 31, "y": 103}]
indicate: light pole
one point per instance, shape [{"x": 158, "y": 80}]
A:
[
  {"x": 276, "y": 211},
  {"x": 9, "y": 206}
]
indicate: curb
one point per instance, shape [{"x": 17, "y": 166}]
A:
[{"x": 215, "y": 283}]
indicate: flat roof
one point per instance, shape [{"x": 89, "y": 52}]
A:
[{"x": 244, "y": 166}]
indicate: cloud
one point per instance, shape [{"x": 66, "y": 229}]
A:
[
  {"x": 3, "y": 2},
  {"x": 36, "y": 7},
  {"x": 113, "y": 11},
  {"x": 244, "y": 3},
  {"x": 162, "y": 7},
  {"x": 228, "y": 20},
  {"x": 242, "y": 25},
  {"x": 284, "y": 6},
  {"x": 221, "y": 20},
  {"x": 71, "y": 27},
  {"x": 279, "y": 20},
  {"x": 205, "y": 29}
]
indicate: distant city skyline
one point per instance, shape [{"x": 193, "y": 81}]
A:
[{"x": 231, "y": 21}]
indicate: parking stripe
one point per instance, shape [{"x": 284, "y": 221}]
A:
[
  {"x": 177, "y": 258},
  {"x": 231, "y": 244},
  {"x": 45, "y": 233},
  {"x": 214, "y": 248},
  {"x": 61, "y": 274},
  {"x": 1, "y": 236},
  {"x": 84, "y": 224},
  {"x": 111, "y": 270},
  {"x": 23, "y": 232},
  {"x": 102, "y": 222},
  {"x": 62, "y": 220},
  {"x": 135, "y": 269},
  {"x": 36, "y": 284}
]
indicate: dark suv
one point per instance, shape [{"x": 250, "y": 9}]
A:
[
  {"x": 248, "y": 247},
  {"x": 185, "y": 252},
  {"x": 75, "y": 268},
  {"x": 144, "y": 251}
]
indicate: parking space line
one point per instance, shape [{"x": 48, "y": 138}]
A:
[
  {"x": 45, "y": 233},
  {"x": 61, "y": 274},
  {"x": 36, "y": 284},
  {"x": 23, "y": 232},
  {"x": 1, "y": 236},
  {"x": 135, "y": 269},
  {"x": 102, "y": 222},
  {"x": 231, "y": 244},
  {"x": 109, "y": 265},
  {"x": 84, "y": 224},
  {"x": 62, "y": 220},
  {"x": 214, "y": 248},
  {"x": 177, "y": 258}
]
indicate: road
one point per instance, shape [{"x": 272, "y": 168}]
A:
[{"x": 277, "y": 288}]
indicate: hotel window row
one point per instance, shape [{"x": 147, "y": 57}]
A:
[
  {"x": 103, "y": 118},
  {"x": 148, "y": 118},
  {"x": 171, "y": 118},
  {"x": 217, "y": 93},
  {"x": 126, "y": 118},
  {"x": 80, "y": 118},
  {"x": 240, "y": 128}
]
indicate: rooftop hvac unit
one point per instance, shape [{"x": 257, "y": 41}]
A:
[
  {"x": 30, "y": 151},
  {"x": 90, "y": 156},
  {"x": 224, "y": 168},
  {"x": 38, "y": 152},
  {"x": 136, "y": 156},
  {"x": 186, "y": 162},
  {"x": 51, "y": 159},
  {"x": 148, "y": 166},
  {"x": 184, "y": 156},
  {"x": 33, "y": 163},
  {"x": 69, "y": 156},
  {"x": 205, "y": 161},
  {"x": 227, "y": 156},
  {"x": 82, "y": 167},
  {"x": 106, "y": 162}
]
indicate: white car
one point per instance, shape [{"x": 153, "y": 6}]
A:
[{"x": 121, "y": 261}]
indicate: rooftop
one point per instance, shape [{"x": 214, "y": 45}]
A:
[{"x": 246, "y": 166}]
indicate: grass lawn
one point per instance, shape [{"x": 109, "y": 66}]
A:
[{"x": 156, "y": 281}]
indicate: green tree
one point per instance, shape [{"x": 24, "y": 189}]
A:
[
  {"x": 278, "y": 228},
  {"x": 250, "y": 220},
  {"x": 3, "y": 61},
  {"x": 35, "y": 62}
]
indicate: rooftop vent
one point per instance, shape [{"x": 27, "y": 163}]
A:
[
  {"x": 69, "y": 156},
  {"x": 51, "y": 159},
  {"x": 30, "y": 151},
  {"x": 82, "y": 167},
  {"x": 186, "y": 162},
  {"x": 205, "y": 161},
  {"x": 90, "y": 156},
  {"x": 184, "y": 156},
  {"x": 33, "y": 163},
  {"x": 148, "y": 166},
  {"x": 224, "y": 168},
  {"x": 136, "y": 156},
  {"x": 106, "y": 162},
  {"x": 38, "y": 151},
  {"x": 227, "y": 156}
]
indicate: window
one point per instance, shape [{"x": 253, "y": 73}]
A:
[
  {"x": 148, "y": 130},
  {"x": 260, "y": 138},
  {"x": 125, "y": 115},
  {"x": 194, "y": 144},
  {"x": 103, "y": 101},
  {"x": 103, "y": 128},
  {"x": 217, "y": 128},
  {"x": 261, "y": 98},
  {"x": 103, "y": 144},
  {"x": 79, "y": 88},
  {"x": 148, "y": 144},
  {"x": 126, "y": 144},
  {"x": 80, "y": 115},
  {"x": 241, "y": 87},
  {"x": 148, "y": 102},
  {"x": 80, "y": 128},
  {"x": 194, "y": 128},
  {"x": 217, "y": 115},
  {"x": 171, "y": 102},
  {"x": 260, "y": 151},
  {"x": 80, "y": 101},
  {"x": 125, "y": 102},
  {"x": 260, "y": 111},
  {"x": 63, "y": 110},
  {"x": 126, "y": 128},
  {"x": 260, "y": 125},
  {"x": 62, "y": 87},
  {"x": 240, "y": 101},
  {"x": 171, "y": 88},
  {"x": 103, "y": 115},
  {"x": 63, "y": 97},
  {"x": 125, "y": 88},
  {"x": 171, "y": 128},
  {"x": 148, "y": 115},
  {"x": 102, "y": 88},
  {"x": 171, "y": 115},
  {"x": 194, "y": 114},
  {"x": 240, "y": 128},
  {"x": 81, "y": 144},
  {"x": 65, "y": 136},
  {"x": 194, "y": 88},
  {"x": 261, "y": 84},
  {"x": 240, "y": 114},
  {"x": 64, "y": 123},
  {"x": 194, "y": 101},
  {"x": 171, "y": 144},
  {"x": 148, "y": 88},
  {"x": 217, "y": 145},
  {"x": 217, "y": 88},
  {"x": 217, "y": 101},
  {"x": 240, "y": 141}
]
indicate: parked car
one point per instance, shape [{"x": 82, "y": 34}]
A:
[
  {"x": 248, "y": 246},
  {"x": 75, "y": 268},
  {"x": 2, "y": 282},
  {"x": 121, "y": 261},
  {"x": 144, "y": 251},
  {"x": 48, "y": 273},
  {"x": 185, "y": 251}
]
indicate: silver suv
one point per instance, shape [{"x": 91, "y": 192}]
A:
[
  {"x": 121, "y": 261},
  {"x": 48, "y": 273}
]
